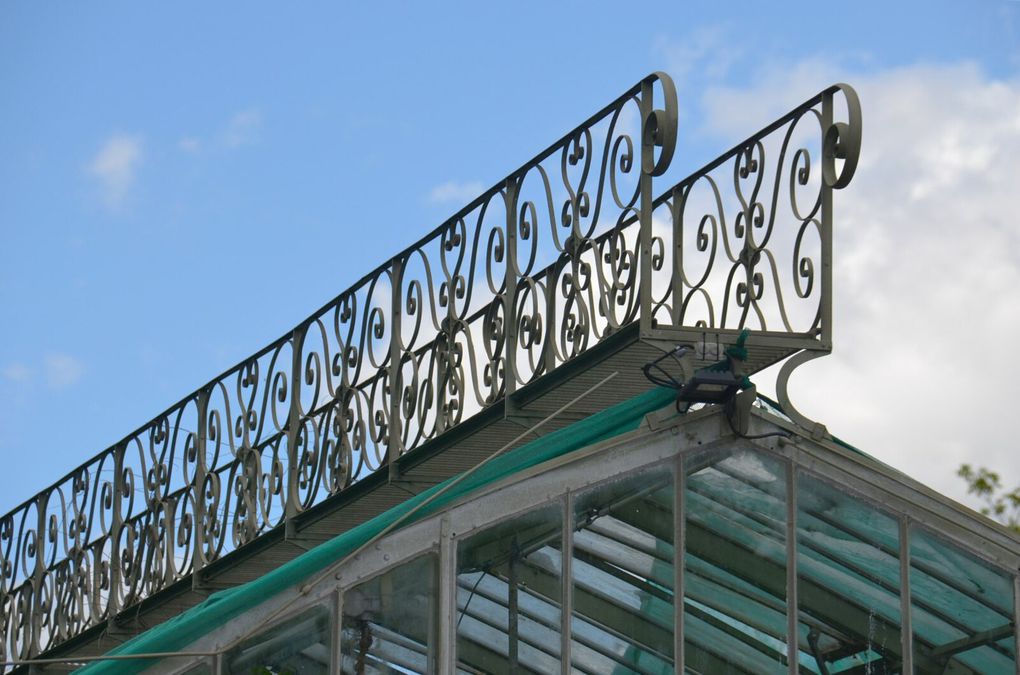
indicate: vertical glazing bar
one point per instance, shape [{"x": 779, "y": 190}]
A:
[
  {"x": 447, "y": 599},
  {"x": 1016, "y": 624},
  {"x": 513, "y": 608},
  {"x": 510, "y": 290},
  {"x": 198, "y": 489},
  {"x": 335, "y": 634},
  {"x": 792, "y": 609},
  {"x": 566, "y": 582},
  {"x": 906, "y": 631},
  {"x": 395, "y": 443},
  {"x": 679, "y": 561},
  {"x": 292, "y": 504},
  {"x": 645, "y": 187},
  {"x": 825, "y": 300}
]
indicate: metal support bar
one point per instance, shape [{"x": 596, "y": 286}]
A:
[
  {"x": 394, "y": 446},
  {"x": 116, "y": 526},
  {"x": 567, "y": 582},
  {"x": 646, "y": 206},
  {"x": 792, "y": 603},
  {"x": 679, "y": 562},
  {"x": 292, "y": 504},
  {"x": 513, "y": 609},
  {"x": 906, "y": 630},
  {"x": 447, "y": 599},
  {"x": 1016, "y": 622},
  {"x": 510, "y": 276},
  {"x": 198, "y": 489},
  {"x": 979, "y": 639}
]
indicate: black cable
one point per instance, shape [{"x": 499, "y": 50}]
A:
[
  {"x": 751, "y": 437},
  {"x": 467, "y": 604}
]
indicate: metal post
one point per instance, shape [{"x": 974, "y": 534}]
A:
[
  {"x": 395, "y": 443},
  {"x": 116, "y": 525},
  {"x": 826, "y": 235},
  {"x": 792, "y": 646},
  {"x": 198, "y": 560},
  {"x": 1016, "y": 623},
  {"x": 566, "y": 582},
  {"x": 513, "y": 611},
  {"x": 676, "y": 273},
  {"x": 39, "y": 574},
  {"x": 510, "y": 290},
  {"x": 335, "y": 633},
  {"x": 647, "y": 198},
  {"x": 447, "y": 599},
  {"x": 292, "y": 503},
  {"x": 679, "y": 562},
  {"x": 906, "y": 630}
]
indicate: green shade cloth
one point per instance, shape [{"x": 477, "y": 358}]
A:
[{"x": 179, "y": 632}]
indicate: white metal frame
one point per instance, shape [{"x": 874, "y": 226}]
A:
[{"x": 662, "y": 439}]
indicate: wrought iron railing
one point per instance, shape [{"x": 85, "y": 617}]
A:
[{"x": 566, "y": 251}]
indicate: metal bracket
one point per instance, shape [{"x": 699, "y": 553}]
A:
[{"x": 816, "y": 429}]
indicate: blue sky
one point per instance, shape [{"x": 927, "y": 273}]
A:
[{"x": 182, "y": 183}]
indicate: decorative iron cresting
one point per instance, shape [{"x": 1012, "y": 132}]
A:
[{"x": 566, "y": 251}]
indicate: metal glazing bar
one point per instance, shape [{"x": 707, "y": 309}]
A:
[
  {"x": 567, "y": 583},
  {"x": 513, "y": 608},
  {"x": 906, "y": 630},
  {"x": 335, "y": 633},
  {"x": 1016, "y": 622},
  {"x": 447, "y": 593},
  {"x": 792, "y": 608},
  {"x": 679, "y": 561}
]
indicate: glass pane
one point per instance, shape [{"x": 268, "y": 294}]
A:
[
  {"x": 735, "y": 562},
  {"x": 961, "y": 610},
  {"x": 848, "y": 570},
  {"x": 623, "y": 576},
  {"x": 298, "y": 646},
  {"x": 389, "y": 621},
  {"x": 508, "y": 596}
]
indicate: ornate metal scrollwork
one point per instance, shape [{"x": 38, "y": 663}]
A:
[{"x": 535, "y": 271}]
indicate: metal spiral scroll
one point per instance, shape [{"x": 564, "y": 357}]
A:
[
  {"x": 538, "y": 269},
  {"x": 515, "y": 283}
]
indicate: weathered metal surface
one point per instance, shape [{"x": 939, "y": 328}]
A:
[{"x": 570, "y": 255}]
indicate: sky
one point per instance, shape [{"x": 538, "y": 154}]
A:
[{"x": 182, "y": 183}]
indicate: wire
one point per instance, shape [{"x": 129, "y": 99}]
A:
[{"x": 467, "y": 604}]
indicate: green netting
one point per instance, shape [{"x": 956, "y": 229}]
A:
[{"x": 180, "y": 631}]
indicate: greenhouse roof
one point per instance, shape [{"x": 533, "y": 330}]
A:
[
  {"x": 221, "y": 606},
  {"x": 742, "y": 502}
]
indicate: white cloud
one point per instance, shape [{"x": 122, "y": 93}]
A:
[
  {"x": 17, "y": 372},
  {"x": 115, "y": 167},
  {"x": 62, "y": 370},
  {"x": 707, "y": 53},
  {"x": 190, "y": 144},
  {"x": 927, "y": 256},
  {"x": 453, "y": 191},
  {"x": 244, "y": 128}
]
